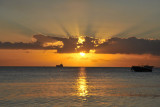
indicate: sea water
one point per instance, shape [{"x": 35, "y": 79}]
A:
[{"x": 78, "y": 87}]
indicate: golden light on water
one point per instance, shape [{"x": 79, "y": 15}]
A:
[{"x": 82, "y": 86}]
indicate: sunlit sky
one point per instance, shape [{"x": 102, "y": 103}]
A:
[{"x": 21, "y": 19}]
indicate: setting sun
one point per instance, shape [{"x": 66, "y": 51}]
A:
[{"x": 82, "y": 53}]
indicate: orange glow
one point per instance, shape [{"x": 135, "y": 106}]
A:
[
  {"x": 58, "y": 43},
  {"x": 82, "y": 53},
  {"x": 51, "y": 58},
  {"x": 101, "y": 41},
  {"x": 81, "y": 39},
  {"x": 92, "y": 51}
]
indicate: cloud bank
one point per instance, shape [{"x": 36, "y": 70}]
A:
[
  {"x": 130, "y": 45},
  {"x": 113, "y": 45}
]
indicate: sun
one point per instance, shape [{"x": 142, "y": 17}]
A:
[{"x": 82, "y": 53}]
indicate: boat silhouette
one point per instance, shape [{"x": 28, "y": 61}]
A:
[
  {"x": 59, "y": 66},
  {"x": 143, "y": 68}
]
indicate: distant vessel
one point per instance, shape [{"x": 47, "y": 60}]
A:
[
  {"x": 59, "y": 66},
  {"x": 145, "y": 68}
]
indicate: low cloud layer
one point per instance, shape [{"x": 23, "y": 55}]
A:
[
  {"x": 130, "y": 45},
  {"x": 114, "y": 45},
  {"x": 21, "y": 45}
]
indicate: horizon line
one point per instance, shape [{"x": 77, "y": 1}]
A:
[{"x": 78, "y": 66}]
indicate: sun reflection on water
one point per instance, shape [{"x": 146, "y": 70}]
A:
[{"x": 82, "y": 86}]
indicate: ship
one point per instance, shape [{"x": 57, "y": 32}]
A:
[
  {"x": 59, "y": 66},
  {"x": 143, "y": 68}
]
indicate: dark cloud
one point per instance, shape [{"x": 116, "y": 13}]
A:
[
  {"x": 21, "y": 45},
  {"x": 88, "y": 44},
  {"x": 69, "y": 44},
  {"x": 114, "y": 45},
  {"x": 43, "y": 39},
  {"x": 130, "y": 45}
]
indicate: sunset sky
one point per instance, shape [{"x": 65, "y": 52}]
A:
[{"x": 110, "y": 33}]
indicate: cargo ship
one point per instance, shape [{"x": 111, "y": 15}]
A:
[{"x": 145, "y": 68}]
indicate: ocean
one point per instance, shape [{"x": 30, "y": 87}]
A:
[{"x": 78, "y": 87}]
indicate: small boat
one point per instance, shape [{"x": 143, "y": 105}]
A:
[
  {"x": 59, "y": 66},
  {"x": 145, "y": 68}
]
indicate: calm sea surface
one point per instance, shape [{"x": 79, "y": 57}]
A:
[{"x": 78, "y": 87}]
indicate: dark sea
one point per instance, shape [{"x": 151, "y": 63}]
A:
[{"x": 78, "y": 87}]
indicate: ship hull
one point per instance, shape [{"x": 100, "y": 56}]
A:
[
  {"x": 59, "y": 66},
  {"x": 142, "y": 69}
]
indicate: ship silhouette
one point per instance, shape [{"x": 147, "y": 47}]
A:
[
  {"x": 143, "y": 68},
  {"x": 59, "y": 66}
]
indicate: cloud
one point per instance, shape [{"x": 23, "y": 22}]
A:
[
  {"x": 88, "y": 44},
  {"x": 69, "y": 44},
  {"x": 130, "y": 45},
  {"x": 21, "y": 45},
  {"x": 43, "y": 39},
  {"x": 114, "y": 45}
]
